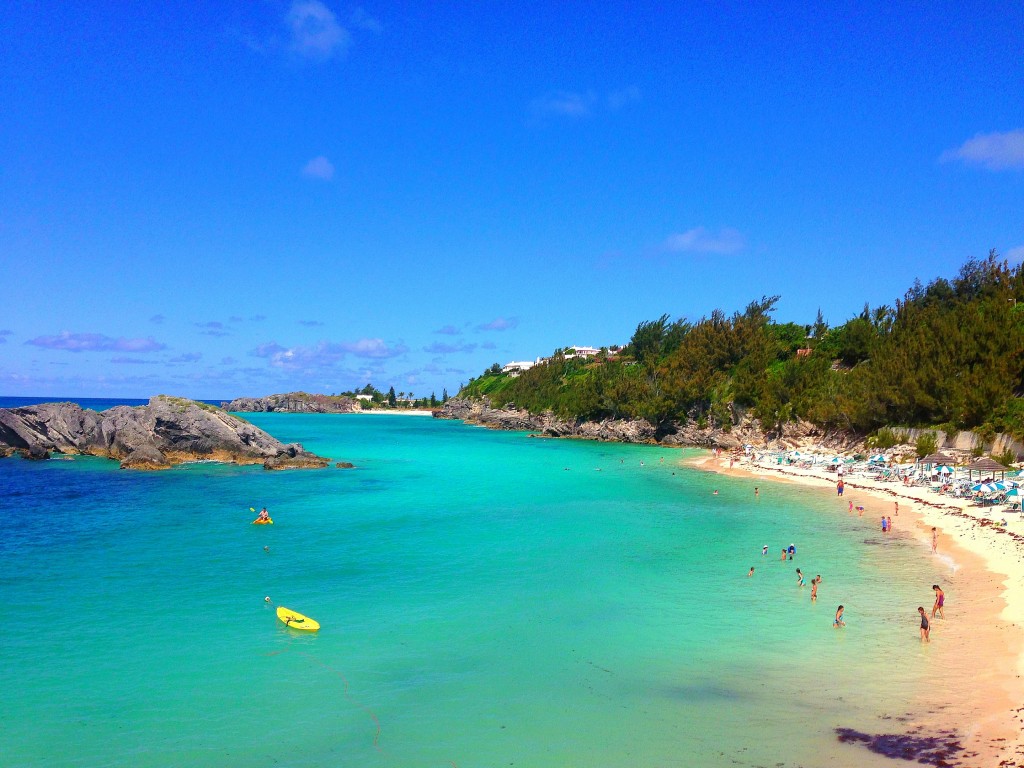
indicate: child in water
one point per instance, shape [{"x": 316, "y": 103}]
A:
[{"x": 839, "y": 618}]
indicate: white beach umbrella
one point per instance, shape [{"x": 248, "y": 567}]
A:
[
  {"x": 944, "y": 470},
  {"x": 1013, "y": 493}
]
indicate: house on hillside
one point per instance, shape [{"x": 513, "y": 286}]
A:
[
  {"x": 580, "y": 351},
  {"x": 516, "y": 367}
]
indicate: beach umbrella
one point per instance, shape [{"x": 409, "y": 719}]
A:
[
  {"x": 988, "y": 487},
  {"x": 944, "y": 470},
  {"x": 877, "y": 457},
  {"x": 1013, "y": 493}
]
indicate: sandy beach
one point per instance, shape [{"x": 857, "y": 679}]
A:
[
  {"x": 976, "y": 692},
  {"x": 397, "y": 412}
]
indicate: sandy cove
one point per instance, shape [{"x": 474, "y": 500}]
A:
[{"x": 977, "y": 686}]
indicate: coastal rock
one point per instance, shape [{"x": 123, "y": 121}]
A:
[
  {"x": 345, "y": 465},
  {"x": 746, "y": 430},
  {"x": 167, "y": 431},
  {"x": 293, "y": 402}
]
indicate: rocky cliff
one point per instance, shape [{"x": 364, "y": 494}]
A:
[
  {"x": 293, "y": 402},
  {"x": 747, "y": 432},
  {"x": 167, "y": 431}
]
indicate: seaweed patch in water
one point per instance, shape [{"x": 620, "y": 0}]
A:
[{"x": 943, "y": 749}]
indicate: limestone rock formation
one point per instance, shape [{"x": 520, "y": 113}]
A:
[
  {"x": 293, "y": 402},
  {"x": 747, "y": 431},
  {"x": 167, "y": 431}
]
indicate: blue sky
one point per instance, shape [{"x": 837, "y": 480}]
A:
[{"x": 241, "y": 198}]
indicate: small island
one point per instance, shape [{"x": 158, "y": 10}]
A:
[{"x": 165, "y": 432}]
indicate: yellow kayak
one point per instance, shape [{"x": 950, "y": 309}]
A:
[
  {"x": 257, "y": 521},
  {"x": 296, "y": 620}
]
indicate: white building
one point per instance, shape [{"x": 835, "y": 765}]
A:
[
  {"x": 517, "y": 366},
  {"x": 581, "y": 351}
]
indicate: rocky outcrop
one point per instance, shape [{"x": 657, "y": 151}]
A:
[
  {"x": 293, "y": 402},
  {"x": 167, "y": 431},
  {"x": 747, "y": 432}
]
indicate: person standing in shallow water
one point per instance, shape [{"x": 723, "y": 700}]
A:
[
  {"x": 940, "y": 599},
  {"x": 839, "y": 618},
  {"x": 814, "y": 588},
  {"x": 925, "y": 628},
  {"x": 783, "y": 553},
  {"x": 799, "y": 578}
]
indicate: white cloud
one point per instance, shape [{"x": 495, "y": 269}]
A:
[
  {"x": 499, "y": 324},
  {"x": 95, "y": 342},
  {"x": 437, "y": 348},
  {"x": 564, "y": 104},
  {"x": 326, "y": 354},
  {"x": 315, "y": 31},
  {"x": 701, "y": 240},
  {"x": 374, "y": 348},
  {"x": 1015, "y": 255},
  {"x": 448, "y": 330},
  {"x": 995, "y": 151},
  {"x": 319, "y": 168}
]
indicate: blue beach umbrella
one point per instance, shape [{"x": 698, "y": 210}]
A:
[
  {"x": 942, "y": 469},
  {"x": 1013, "y": 493},
  {"x": 876, "y": 458}
]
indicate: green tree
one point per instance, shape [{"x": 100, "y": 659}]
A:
[{"x": 392, "y": 400}]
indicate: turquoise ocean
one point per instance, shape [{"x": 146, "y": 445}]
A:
[{"x": 486, "y": 599}]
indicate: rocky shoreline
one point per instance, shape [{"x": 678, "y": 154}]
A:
[
  {"x": 293, "y": 402},
  {"x": 165, "y": 432},
  {"x": 747, "y": 432}
]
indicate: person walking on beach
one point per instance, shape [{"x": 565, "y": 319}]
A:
[
  {"x": 940, "y": 599},
  {"x": 935, "y": 540},
  {"x": 897, "y": 509},
  {"x": 925, "y": 627},
  {"x": 889, "y": 521},
  {"x": 839, "y": 487},
  {"x": 885, "y": 527},
  {"x": 851, "y": 506},
  {"x": 839, "y": 618}
]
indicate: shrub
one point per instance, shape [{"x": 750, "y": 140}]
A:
[{"x": 927, "y": 442}]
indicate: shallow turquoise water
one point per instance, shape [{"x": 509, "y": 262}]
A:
[{"x": 486, "y": 599}]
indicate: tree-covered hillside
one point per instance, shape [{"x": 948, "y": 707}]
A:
[{"x": 949, "y": 354}]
